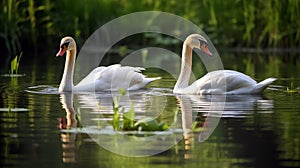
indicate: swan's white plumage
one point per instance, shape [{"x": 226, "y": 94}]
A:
[
  {"x": 114, "y": 77},
  {"x": 215, "y": 82},
  {"x": 229, "y": 82},
  {"x": 226, "y": 82}
]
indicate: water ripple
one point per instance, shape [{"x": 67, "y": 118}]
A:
[{"x": 42, "y": 89}]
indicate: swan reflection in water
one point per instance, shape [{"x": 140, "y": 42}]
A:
[
  {"x": 207, "y": 110},
  {"x": 95, "y": 110},
  {"x": 70, "y": 121}
]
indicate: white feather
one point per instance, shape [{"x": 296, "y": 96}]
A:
[
  {"x": 114, "y": 77},
  {"x": 226, "y": 82}
]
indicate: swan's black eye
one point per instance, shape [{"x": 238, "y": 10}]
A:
[
  {"x": 203, "y": 42},
  {"x": 66, "y": 44}
]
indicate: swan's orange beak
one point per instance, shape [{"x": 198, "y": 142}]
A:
[
  {"x": 208, "y": 52},
  {"x": 61, "y": 51},
  {"x": 205, "y": 49}
]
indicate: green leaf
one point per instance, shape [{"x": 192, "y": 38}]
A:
[
  {"x": 147, "y": 124},
  {"x": 116, "y": 121},
  {"x": 13, "y": 65},
  {"x": 122, "y": 91},
  {"x": 163, "y": 126},
  {"x": 116, "y": 117},
  {"x": 128, "y": 119},
  {"x": 194, "y": 127}
]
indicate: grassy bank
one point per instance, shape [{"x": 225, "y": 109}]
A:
[{"x": 242, "y": 23}]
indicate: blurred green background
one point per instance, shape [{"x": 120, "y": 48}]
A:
[
  {"x": 34, "y": 28},
  {"x": 32, "y": 24}
]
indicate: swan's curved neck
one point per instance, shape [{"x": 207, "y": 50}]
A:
[
  {"x": 66, "y": 84},
  {"x": 186, "y": 64}
]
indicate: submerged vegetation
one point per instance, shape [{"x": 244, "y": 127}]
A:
[{"x": 242, "y": 23}]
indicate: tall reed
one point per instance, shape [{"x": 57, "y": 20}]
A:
[
  {"x": 31, "y": 9},
  {"x": 11, "y": 17},
  {"x": 243, "y": 23}
]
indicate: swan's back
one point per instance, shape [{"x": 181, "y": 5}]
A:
[
  {"x": 114, "y": 77},
  {"x": 228, "y": 82}
]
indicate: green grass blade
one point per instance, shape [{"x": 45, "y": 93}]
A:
[{"x": 13, "y": 65}]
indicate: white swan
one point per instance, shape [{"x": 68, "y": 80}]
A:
[
  {"x": 109, "y": 78},
  {"x": 223, "y": 81}
]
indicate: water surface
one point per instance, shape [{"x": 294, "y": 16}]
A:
[{"x": 42, "y": 128}]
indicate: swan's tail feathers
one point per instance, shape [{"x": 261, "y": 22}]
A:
[
  {"x": 148, "y": 80},
  {"x": 143, "y": 84},
  {"x": 261, "y": 86}
]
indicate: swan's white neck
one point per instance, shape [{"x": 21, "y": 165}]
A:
[
  {"x": 66, "y": 84},
  {"x": 186, "y": 65}
]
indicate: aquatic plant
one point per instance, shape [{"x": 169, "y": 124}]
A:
[
  {"x": 14, "y": 64},
  {"x": 196, "y": 128},
  {"x": 127, "y": 123},
  {"x": 292, "y": 89},
  {"x": 118, "y": 110},
  {"x": 150, "y": 124}
]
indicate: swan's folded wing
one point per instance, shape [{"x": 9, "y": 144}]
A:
[
  {"x": 222, "y": 81},
  {"x": 115, "y": 76},
  {"x": 90, "y": 78}
]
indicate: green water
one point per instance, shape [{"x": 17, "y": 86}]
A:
[{"x": 254, "y": 131}]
